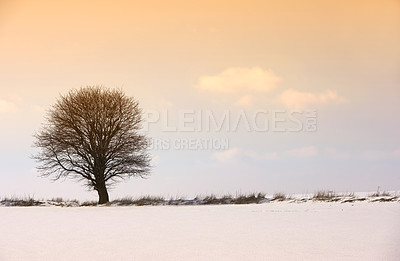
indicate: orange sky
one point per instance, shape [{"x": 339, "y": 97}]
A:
[{"x": 340, "y": 56}]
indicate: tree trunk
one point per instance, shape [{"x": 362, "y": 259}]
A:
[{"x": 103, "y": 194}]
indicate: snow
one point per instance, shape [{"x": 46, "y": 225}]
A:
[{"x": 269, "y": 231}]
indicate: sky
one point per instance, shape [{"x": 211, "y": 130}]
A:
[{"x": 311, "y": 90}]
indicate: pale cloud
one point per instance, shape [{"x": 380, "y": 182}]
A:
[
  {"x": 245, "y": 101},
  {"x": 370, "y": 154},
  {"x": 235, "y": 153},
  {"x": 380, "y": 154},
  {"x": 247, "y": 87},
  {"x": 271, "y": 156},
  {"x": 336, "y": 154},
  {"x": 293, "y": 99},
  {"x": 7, "y": 107},
  {"x": 257, "y": 156},
  {"x": 163, "y": 103},
  {"x": 226, "y": 155},
  {"x": 238, "y": 79},
  {"x": 38, "y": 108},
  {"x": 374, "y": 154},
  {"x": 253, "y": 155},
  {"x": 303, "y": 152}
]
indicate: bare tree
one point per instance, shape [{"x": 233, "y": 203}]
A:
[{"x": 92, "y": 134}]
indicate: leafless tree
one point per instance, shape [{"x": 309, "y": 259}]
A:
[{"x": 92, "y": 134}]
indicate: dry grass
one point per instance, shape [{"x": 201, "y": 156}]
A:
[
  {"x": 381, "y": 194},
  {"x": 89, "y": 204},
  {"x": 142, "y": 201},
  {"x": 252, "y": 198},
  {"x": 325, "y": 196},
  {"x": 212, "y": 200},
  {"x": 58, "y": 200},
  {"x": 279, "y": 197},
  {"x": 26, "y": 201},
  {"x": 149, "y": 200}
]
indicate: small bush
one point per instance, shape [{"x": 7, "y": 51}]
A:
[
  {"x": 58, "y": 200},
  {"x": 27, "y": 201},
  {"x": 149, "y": 200},
  {"x": 249, "y": 199},
  {"x": 143, "y": 201},
  {"x": 177, "y": 201},
  {"x": 279, "y": 197},
  {"x": 127, "y": 201},
  {"x": 381, "y": 194},
  {"x": 325, "y": 196},
  {"x": 89, "y": 204},
  {"x": 210, "y": 200}
]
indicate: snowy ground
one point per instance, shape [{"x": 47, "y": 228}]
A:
[{"x": 270, "y": 231}]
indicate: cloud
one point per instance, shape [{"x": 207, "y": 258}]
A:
[
  {"x": 245, "y": 101},
  {"x": 336, "y": 154},
  {"x": 235, "y": 153},
  {"x": 380, "y": 155},
  {"x": 251, "y": 86},
  {"x": 238, "y": 79},
  {"x": 256, "y": 156},
  {"x": 226, "y": 155},
  {"x": 38, "y": 108},
  {"x": 7, "y": 107},
  {"x": 369, "y": 155},
  {"x": 293, "y": 99},
  {"x": 271, "y": 156},
  {"x": 303, "y": 152}
]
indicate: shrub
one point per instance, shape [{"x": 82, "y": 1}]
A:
[
  {"x": 27, "y": 201},
  {"x": 381, "y": 194},
  {"x": 249, "y": 199},
  {"x": 149, "y": 200},
  {"x": 325, "y": 196},
  {"x": 88, "y": 204}
]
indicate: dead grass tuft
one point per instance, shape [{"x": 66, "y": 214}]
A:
[
  {"x": 279, "y": 197},
  {"x": 325, "y": 196}
]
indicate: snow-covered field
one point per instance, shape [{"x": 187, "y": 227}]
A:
[{"x": 270, "y": 231}]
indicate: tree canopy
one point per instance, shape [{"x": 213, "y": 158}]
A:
[{"x": 92, "y": 134}]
